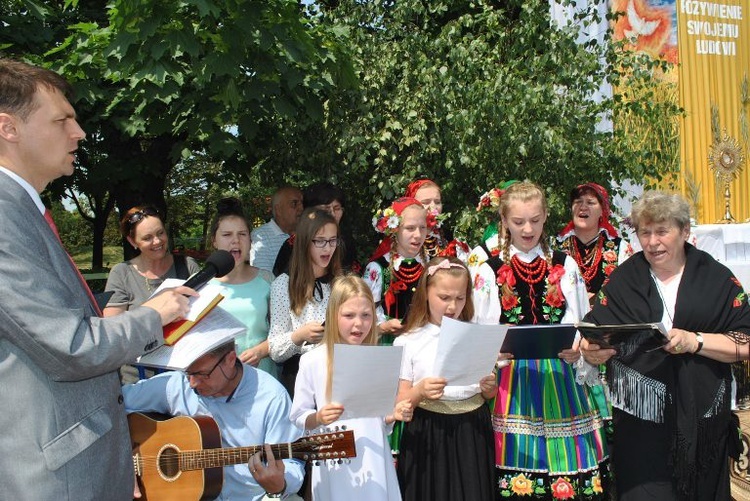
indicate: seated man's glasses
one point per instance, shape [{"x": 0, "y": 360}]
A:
[{"x": 206, "y": 374}]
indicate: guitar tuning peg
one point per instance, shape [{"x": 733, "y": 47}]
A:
[
  {"x": 339, "y": 461},
  {"x": 343, "y": 428}
]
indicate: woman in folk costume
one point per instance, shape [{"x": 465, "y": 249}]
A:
[
  {"x": 439, "y": 241},
  {"x": 397, "y": 263},
  {"x": 549, "y": 441},
  {"x": 590, "y": 239}
]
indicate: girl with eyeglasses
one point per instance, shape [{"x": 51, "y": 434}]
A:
[
  {"x": 133, "y": 281},
  {"x": 325, "y": 196},
  {"x": 299, "y": 298}
]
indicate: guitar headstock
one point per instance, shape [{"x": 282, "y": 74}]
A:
[{"x": 334, "y": 444}]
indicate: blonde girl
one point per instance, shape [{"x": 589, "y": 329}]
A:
[
  {"x": 371, "y": 475},
  {"x": 398, "y": 262},
  {"x": 549, "y": 437}
]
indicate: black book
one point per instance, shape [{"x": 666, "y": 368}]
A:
[
  {"x": 646, "y": 336},
  {"x": 536, "y": 342}
]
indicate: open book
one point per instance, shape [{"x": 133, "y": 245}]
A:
[
  {"x": 646, "y": 336},
  {"x": 216, "y": 328},
  {"x": 210, "y": 296}
]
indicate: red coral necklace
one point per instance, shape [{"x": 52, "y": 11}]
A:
[
  {"x": 588, "y": 263},
  {"x": 531, "y": 273}
]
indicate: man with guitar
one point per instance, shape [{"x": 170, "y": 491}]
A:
[{"x": 249, "y": 406}]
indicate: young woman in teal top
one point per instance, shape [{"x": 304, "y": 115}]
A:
[{"x": 246, "y": 288}]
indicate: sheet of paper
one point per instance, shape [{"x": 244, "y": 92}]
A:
[
  {"x": 197, "y": 304},
  {"x": 216, "y": 328},
  {"x": 467, "y": 352},
  {"x": 376, "y": 368}
]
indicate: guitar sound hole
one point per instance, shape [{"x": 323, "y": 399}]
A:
[{"x": 169, "y": 465}]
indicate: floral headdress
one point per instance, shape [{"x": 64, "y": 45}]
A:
[
  {"x": 491, "y": 199},
  {"x": 388, "y": 220}
]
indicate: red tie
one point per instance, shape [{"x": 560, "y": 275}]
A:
[{"x": 53, "y": 226}]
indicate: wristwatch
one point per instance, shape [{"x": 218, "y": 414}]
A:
[
  {"x": 277, "y": 495},
  {"x": 699, "y": 338}
]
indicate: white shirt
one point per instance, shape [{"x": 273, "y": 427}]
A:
[
  {"x": 284, "y": 322},
  {"x": 420, "y": 348},
  {"x": 266, "y": 240}
]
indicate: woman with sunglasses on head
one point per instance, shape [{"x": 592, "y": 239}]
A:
[{"x": 133, "y": 281}]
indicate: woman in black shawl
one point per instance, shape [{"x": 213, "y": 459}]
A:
[{"x": 674, "y": 428}]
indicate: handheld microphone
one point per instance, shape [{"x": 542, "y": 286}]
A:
[{"x": 218, "y": 264}]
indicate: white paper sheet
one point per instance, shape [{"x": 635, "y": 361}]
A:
[
  {"x": 216, "y": 328},
  {"x": 467, "y": 352},
  {"x": 376, "y": 368}
]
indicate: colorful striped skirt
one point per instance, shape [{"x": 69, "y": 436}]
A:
[{"x": 549, "y": 433}]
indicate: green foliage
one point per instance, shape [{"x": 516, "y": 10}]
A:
[
  {"x": 368, "y": 94},
  {"x": 472, "y": 94}
]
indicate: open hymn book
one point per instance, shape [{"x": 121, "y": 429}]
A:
[
  {"x": 210, "y": 296},
  {"x": 647, "y": 336},
  {"x": 212, "y": 327}
]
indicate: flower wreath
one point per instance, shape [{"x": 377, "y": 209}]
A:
[
  {"x": 388, "y": 220},
  {"x": 491, "y": 199}
]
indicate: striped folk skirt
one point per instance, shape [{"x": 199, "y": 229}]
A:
[{"x": 549, "y": 433}]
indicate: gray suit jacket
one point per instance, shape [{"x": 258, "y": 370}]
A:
[{"x": 63, "y": 430}]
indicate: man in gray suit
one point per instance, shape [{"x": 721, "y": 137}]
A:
[{"x": 64, "y": 433}]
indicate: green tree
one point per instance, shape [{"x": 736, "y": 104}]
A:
[
  {"x": 475, "y": 93},
  {"x": 157, "y": 81}
]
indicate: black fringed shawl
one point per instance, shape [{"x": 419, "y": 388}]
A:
[{"x": 690, "y": 394}]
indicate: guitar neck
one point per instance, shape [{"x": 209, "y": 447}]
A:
[{"x": 217, "y": 458}]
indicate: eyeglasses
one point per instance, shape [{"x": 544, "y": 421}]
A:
[
  {"x": 137, "y": 217},
  {"x": 205, "y": 375},
  {"x": 333, "y": 209},
  {"x": 322, "y": 242}
]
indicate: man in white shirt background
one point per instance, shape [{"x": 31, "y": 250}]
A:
[{"x": 286, "y": 209}]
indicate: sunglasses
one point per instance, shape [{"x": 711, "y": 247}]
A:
[{"x": 137, "y": 217}]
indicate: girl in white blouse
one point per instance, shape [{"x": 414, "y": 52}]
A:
[
  {"x": 371, "y": 475},
  {"x": 447, "y": 451},
  {"x": 299, "y": 298}
]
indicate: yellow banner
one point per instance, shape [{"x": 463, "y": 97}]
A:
[{"x": 714, "y": 73}]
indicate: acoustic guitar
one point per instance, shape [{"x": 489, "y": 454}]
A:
[{"x": 181, "y": 458}]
